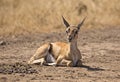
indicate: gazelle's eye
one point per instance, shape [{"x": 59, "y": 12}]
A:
[
  {"x": 75, "y": 31},
  {"x": 68, "y": 30}
]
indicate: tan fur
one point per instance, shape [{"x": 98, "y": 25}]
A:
[
  {"x": 55, "y": 52},
  {"x": 41, "y": 52}
]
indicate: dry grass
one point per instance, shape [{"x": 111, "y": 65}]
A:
[{"x": 33, "y": 16}]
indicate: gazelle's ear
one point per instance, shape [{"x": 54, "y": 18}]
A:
[
  {"x": 81, "y": 23},
  {"x": 65, "y": 22}
]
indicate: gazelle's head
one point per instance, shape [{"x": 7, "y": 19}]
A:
[{"x": 72, "y": 31}]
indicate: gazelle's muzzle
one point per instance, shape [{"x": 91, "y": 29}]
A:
[{"x": 70, "y": 38}]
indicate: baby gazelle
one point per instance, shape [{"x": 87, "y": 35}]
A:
[{"x": 54, "y": 53}]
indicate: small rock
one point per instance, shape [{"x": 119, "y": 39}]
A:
[{"x": 2, "y": 43}]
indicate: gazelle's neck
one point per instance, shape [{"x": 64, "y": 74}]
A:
[{"x": 73, "y": 45}]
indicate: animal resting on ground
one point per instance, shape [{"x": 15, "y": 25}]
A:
[{"x": 55, "y": 53}]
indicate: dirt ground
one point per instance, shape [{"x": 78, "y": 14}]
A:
[{"x": 100, "y": 49}]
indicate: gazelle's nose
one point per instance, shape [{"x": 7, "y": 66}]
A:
[{"x": 70, "y": 38}]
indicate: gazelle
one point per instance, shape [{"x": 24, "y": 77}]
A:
[{"x": 55, "y": 52}]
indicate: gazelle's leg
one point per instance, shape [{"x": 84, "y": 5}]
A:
[
  {"x": 51, "y": 64},
  {"x": 79, "y": 63},
  {"x": 69, "y": 63},
  {"x": 40, "y": 53},
  {"x": 33, "y": 60},
  {"x": 72, "y": 64},
  {"x": 59, "y": 59},
  {"x": 41, "y": 61}
]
